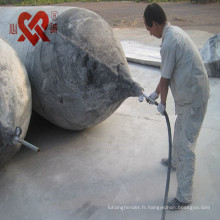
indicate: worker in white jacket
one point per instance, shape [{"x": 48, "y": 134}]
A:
[{"x": 182, "y": 70}]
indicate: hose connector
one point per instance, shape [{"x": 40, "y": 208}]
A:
[{"x": 148, "y": 99}]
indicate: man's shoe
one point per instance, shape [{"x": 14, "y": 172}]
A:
[
  {"x": 176, "y": 205},
  {"x": 165, "y": 162}
]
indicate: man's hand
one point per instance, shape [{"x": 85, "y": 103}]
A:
[
  {"x": 161, "y": 108},
  {"x": 153, "y": 96}
]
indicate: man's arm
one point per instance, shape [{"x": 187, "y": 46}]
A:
[{"x": 162, "y": 89}]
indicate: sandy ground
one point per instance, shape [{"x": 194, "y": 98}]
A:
[{"x": 190, "y": 16}]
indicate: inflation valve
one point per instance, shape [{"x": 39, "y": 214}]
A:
[{"x": 17, "y": 139}]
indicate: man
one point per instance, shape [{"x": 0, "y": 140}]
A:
[{"x": 182, "y": 70}]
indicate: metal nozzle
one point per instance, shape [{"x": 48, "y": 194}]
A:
[{"x": 141, "y": 98}]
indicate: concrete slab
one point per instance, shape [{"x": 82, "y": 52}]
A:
[
  {"x": 141, "y": 35},
  {"x": 141, "y": 53},
  {"x": 111, "y": 171},
  {"x": 142, "y": 48}
]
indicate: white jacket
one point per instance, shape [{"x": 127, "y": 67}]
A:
[{"x": 183, "y": 65}]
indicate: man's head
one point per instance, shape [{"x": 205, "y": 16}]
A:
[{"x": 155, "y": 19}]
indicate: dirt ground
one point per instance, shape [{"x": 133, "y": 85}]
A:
[{"x": 191, "y": 16}]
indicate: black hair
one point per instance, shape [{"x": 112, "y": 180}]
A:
[{"x": 154, "y": 12}]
